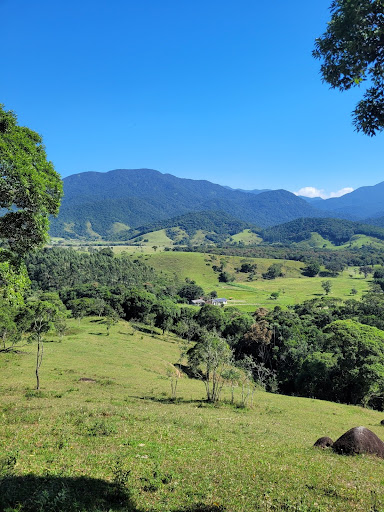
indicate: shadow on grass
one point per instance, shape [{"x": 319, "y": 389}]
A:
[
  {"x": 31, "y": 493},
  {"x": 202, "y": 402},
  {"x": 146, "y": 330},
  {"x": 168, "y": 400}
]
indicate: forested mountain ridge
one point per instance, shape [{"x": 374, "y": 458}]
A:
[
  {"x": 95, "y": 203},
  {"x": 360, "y": 204}
]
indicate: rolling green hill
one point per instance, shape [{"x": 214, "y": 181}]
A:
[
  {"x": 247, "y": 294},
  {"x": 336, "y": 231},
  {"x": 201, "y": 227},
  {"x": 103, "y": 434}
]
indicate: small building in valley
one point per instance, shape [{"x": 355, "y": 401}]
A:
[
  {"x": 198, "y": 302},
  {"x": 219, "y": 302}
]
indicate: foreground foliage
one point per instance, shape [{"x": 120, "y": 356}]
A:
[{"x": 351, "y": 51}]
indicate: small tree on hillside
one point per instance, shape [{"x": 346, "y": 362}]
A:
[
  {"x": 209, "y": 359},
  {"x": 275, "y": 270},
  {"x": 111, "y": 319},
  {"x": 39, "y": 318},
  {"x": 365, "y": 270},
  {"x": 9, "y": 332},
  {"x": 327, "y": 286},
  {"x": 312, "y": 269}
]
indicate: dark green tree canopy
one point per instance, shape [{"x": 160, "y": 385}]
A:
[
  {"x": 30, "y": 188},
  {"x": 352, "y": 52}
]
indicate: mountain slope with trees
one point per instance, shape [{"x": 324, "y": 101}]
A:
[
  {"x": 93, "y": 202},
  {"x": 216, "y": 226},
  {"x": 360, "y": 204},
  {"x": 337, "y": 231}
]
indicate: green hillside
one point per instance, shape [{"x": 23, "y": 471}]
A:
[
  {"x": 248, "y": 295},
  {"x": 355, "y": 242},
  {"x": 199, "y": 227},
  {"x": 336, "y": 231},
  {"x": 115, "y": 442}
]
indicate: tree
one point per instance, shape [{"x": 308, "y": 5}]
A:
[
  {"x": 39, "y": 318},
  {"x": 210, "y": 359},
  {"x": 248, "y": 267},
  {"x": 275, "y": 270},
  {"x": 226, "y": 277},
  {"x": 365, "y": 270},
  {"x": 165, "y": 312},
  {"x": 312, "y": 269},
  {"x": 9, "y": 333},
  {"x": 138, "y": 304},
  {"x": 211, "y": 317},
  {"x": 30, "y": 188},
  {"x": 111, "y": 319},
  {"x": 351, "y": 51},
  {"x": 190, "y": 291},
  {"x": 257, "y": 341},
  {"x": 327, "y": 286},
  {"x": 359, "y": 374}
]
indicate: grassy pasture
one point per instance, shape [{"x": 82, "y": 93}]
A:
[
  {"x": 247, "y": 237},
  {"x": 68, "y": 446},
  {"x": 248, "y": 295},
  {"x": 356, "y": 241}
]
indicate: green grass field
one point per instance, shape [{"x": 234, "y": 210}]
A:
[
  {"x": 356, "y": 241},
  {"x": 75, "y": 444},
  {"x": 248, "y": 295}
]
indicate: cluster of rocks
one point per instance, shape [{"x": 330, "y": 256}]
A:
[{"x": 355, "y": 441}]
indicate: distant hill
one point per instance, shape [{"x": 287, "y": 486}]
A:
[
  {"x": 102, "y": 204},
  {"x": 254, "y": 191},
  {"x": 337, "y": 231},
  {"x": 360, "y": 204},
  {"x": 376, "y": 221},
  {"x": 211, "y": 226},
  {"x": 311, "y": 200}
]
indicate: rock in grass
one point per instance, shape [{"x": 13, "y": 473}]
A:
[
  {"x": 382, "y": 422},
  {"x": 359, "y": 440},
  {"x": 323, "y": 442}
]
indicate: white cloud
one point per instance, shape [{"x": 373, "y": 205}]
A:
[
  {"x": 316, "y": 192},
  {"x": 310, "y": 192},
  {"x": 342, "y": 192}
]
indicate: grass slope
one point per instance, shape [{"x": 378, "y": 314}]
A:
[
  {"x": 248, "y": 295},
  {"x": 355, "y": 242},
  {"x": 77, "y": 439}
]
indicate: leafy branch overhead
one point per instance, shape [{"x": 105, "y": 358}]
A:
[
  {"x": 352, "y": 52},
  {"x": 30, "y": 188}
]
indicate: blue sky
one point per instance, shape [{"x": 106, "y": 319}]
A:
[{"x": 221, "y": 90}]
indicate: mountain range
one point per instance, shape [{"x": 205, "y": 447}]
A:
[{"x": 104, "y": 205}]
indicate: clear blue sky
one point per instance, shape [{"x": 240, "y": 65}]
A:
[{"x": 221, "y": 90}]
